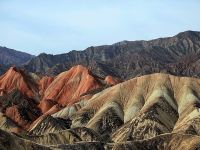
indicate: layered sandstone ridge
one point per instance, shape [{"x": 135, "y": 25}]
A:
[
  {"x": 143, "y": 107},
  {"x": 157, "y": 111},
  {"x": 69, "y": 86},
  {"x": 27, "y": 98},
  {"x": 154, "y": 111}
]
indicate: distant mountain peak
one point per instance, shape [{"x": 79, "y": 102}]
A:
[
  {"x": 189, "y": 34},
  {"x": 42, "y": 54},
  {"x": 10, "y": 57}
]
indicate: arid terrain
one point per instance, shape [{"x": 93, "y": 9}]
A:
[{"x": 140, "y": 95}]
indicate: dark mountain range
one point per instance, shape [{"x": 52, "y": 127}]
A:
[
  {"x": 178, "y": 55},
  {"x": 9, "y": 57}
]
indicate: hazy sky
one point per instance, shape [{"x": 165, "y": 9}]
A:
[{"x": 58, "y": 26}]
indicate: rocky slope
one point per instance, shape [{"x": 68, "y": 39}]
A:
[
  {"x": 27, "y": 100},
  {"x": 149, "y": 112},
  {"x": 90, "y": 108},
  {"x": 157, "y": 111},
  {"x": 20, "y": 109},
  {"x": 68, "y": 87},
  {"x": 16, "y": 78},
  {"x": 178, "y": 55}
]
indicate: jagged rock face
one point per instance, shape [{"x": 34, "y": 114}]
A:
[
  {"x": 10, "y": 141},
  {"x": 107, "y": 120},
  {"x": 20, "y": 109},
  {"x": 149, "y": 124},
  {"x": 49, "y": 124},
  {"x": 7, "y": 124},
  {"x": 70, "y": 136},
  {"x": 178, "y": 55}
]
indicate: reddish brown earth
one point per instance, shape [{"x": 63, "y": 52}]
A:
[
  {"x": 45, "y": 105},
  {"x": 15, "y": 78},
  {"x": 110, "y": 80},
  {"x": 68, "y": 86},
  {"x": 21, "y": 93},
  {"x": 44, "y": 83},
  {"x": 20, "y": 109},
  {"x": 26, "y": 96},
  {"x": 14, "y": 114}
]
